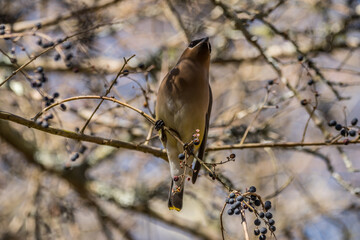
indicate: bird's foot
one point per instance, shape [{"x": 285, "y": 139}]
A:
[{"x": 159, "y": 124}]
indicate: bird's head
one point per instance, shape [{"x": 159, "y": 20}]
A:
[{"x": 198, "y": 50}]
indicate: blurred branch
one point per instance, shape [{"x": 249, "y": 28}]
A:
[
  {"x": 87, "y": 138},
  {"x": 27, "y": 25}
]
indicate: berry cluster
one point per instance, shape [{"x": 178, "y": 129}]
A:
[
  {"x": 250, "y": 201},
  {"x": 44, "y": 121},
  {"x": 76, "y": 155},
  {"x": 346, "y": 131}
]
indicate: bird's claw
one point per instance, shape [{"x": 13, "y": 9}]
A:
[{"x": 159, "y": 124}]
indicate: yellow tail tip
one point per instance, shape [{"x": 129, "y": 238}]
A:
[{"x": 175, "y": 208}]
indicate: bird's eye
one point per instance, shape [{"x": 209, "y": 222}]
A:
[{"x": 194, "y": 43}]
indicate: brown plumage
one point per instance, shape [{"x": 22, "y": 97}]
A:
[{"x": 184, "y": 103}]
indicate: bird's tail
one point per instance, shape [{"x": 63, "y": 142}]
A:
[{"x": 176, "y": 195}]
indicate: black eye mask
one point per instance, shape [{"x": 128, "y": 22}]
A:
[{"x": 197, "y": 41}]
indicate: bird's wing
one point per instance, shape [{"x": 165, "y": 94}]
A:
[{"x": 203, "y": 143}]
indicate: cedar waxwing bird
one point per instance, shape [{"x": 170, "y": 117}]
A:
[{"x": 184, "y": 103}]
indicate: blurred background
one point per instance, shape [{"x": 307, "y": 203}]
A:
[{"x": 273, "y": 64}]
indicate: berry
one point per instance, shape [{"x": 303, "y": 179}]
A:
[
  {"x": 231, "y": 201},
  {"x": 240, "y": 198},
  {"x": 237, "y": 204},
  {"x": 230, "y": 211},
  {"x": 69, "y": 56},
  {"x": 227, "y": 200},
  {"x": 354, "y": 121},
  {"x": 237, "y": 211},
  {"x": 344, "y": 132},
  {"x": 253, "y": 197},
  {"x": 82, "y": 149},
  {"x": 262, "y": 237},
  {"x": 38, "y": 25},
  {"x": 252, "y": 189},
  {"x": 267, "y": 205},
  {"x": 74, "y": 156},
  {"x": 50, "y": 116},
  {"x": 232, "y": 156},
  {"x": 63, "y": 106},
  {"x": 196, "y": 141},
  {"x": 268, "y": 215},
  {"x": 332, "y": 123},
  {"x": 66, "y": 45},
  {"x": 2, "y": 32},
  {"x": 126, "y": 72},
  {"x": 181, "y": 156},
  {"x": 300, "y": 58},
  {"x": 338, "y": 127},
  {"x": 261, "y": 215},
  {"x": 57, "y": 57},
  {"x": 141, "y": 65},
  {"x": 352, "y": 133},
  {"x": 304, "y": 102},
  {"x": 257, "y": 202},
  {"x": 176, "y": 178},
  {"x": 256, "y": 232},
  {"x": 272, "y": 228},
  {"x": 56, "y": 95},
  {"x": 311, "y": 82},
  {"x": 232, "y": 195},
  {"x": 263, "y": 230},
  {"x": 2, "y": 27},
  {"x": 271, "y": 222},
  {"x": 45, "y": 124},
  {"x": 257, "y": 222},
  {"x": 40, "y": 69},
  {"x": 271, "y": 82}
]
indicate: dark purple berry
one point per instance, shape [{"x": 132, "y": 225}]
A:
[
  {"x": 57, "y": 57},
  {"x": 240, "y": 198},
  {"x": 267, "y": 205},
  {"x": 268, "y": 215},
  {"x": 67, "y": 45},
  {"x": 332, "y": 123},
  {"x": 141, "y": 65},
  {"x": 272, "y": 228},
  {"x": 271, "y": 222},
  {"x": 261, "y": 215},
  {"x": 74, "y": 156},
  {"x": 257, "y": 222},
  {"x": 63, "y": 107},
  {"x": 256, "y": 232},
  {"x": 257, "y": 202},
  {"x": 56, "y": 95},
  {"x": 352, "y": 133},
  {"x": 354, "y": 121},
  {"x": 181, "y": 156},
  {"x": 262, "y": 237},
  {"x": 253, "y": 197},
  {"x": 40, "y": 69},
  {"x": 300, "y": 58},
  {"x": 263, "y": 230},
  {"x": 38, "y": 25},
  {"x": 2, "y": 27},
  {"x": 69, "y": 56},
  {"x": 126, "y": 72},
  {"x": 82, "y": 149},
  {"x": 230, "y": 211},
  {"x": 304, "y": 102},
  {"x": 271, "y": 82},
  {"x": 344, "y": 132},
  {"x": 237, "y": 211},
  {"x": 45, "y": 124},
  {"x": 232, "y": 195},
  {"x": 310, "y": 82},
  {"x": 176, "y": 178},
  {"x": 338, "y": 127},
  {"x": 231, "y": 201},
  {"x": 252, "y": 189}
]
